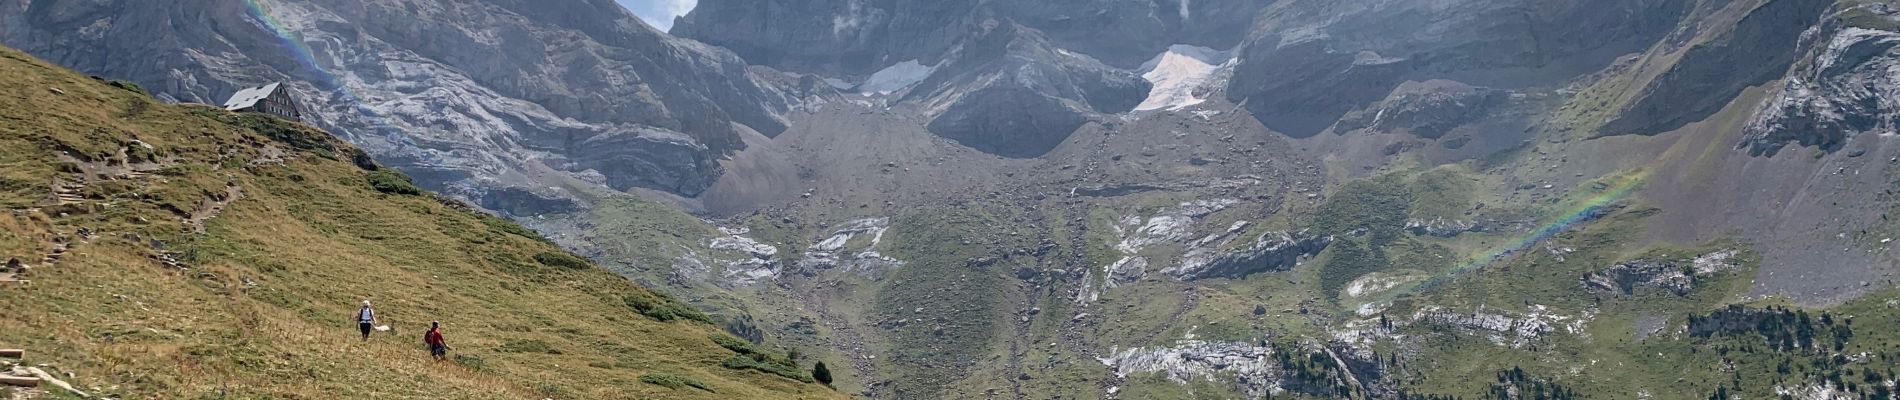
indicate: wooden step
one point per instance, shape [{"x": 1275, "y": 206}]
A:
[
  {"x": 21, "y": 381},
  {"x": 13, "y": 353}
]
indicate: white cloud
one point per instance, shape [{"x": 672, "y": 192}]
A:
[{"x": 659, "y": 13}]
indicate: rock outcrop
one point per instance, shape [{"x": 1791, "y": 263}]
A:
[
  {"x": 1440, "y": 227},
  {"x": 747, "y": 261},
  {"x": 1010, "y": 92},
  {"x": 1849, "y": 85},
  {"x": 1299, "y": 72},
  {"x": 1252, "y": 366},
  {"x": 1425, "y": 109},
  {"x": 1504, "y": 327},
  {"x": 1708, "y": 75},
  {"x": 856, "y": 256},
  {"x": 838, "y": 39},
  {"x": 1679, "y": 278},
  {"x": 850, "y": 39},
  {"x": 1272, "y": 251}
]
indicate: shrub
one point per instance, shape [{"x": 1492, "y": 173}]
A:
[
  {"x": 675, "y": 382},
  {"x": 1376, "y": 207},
  {"x": 501, "y": 225},
  {"x": 821, "y": 373},
  {"x": 288, "y": 132},
  {"x": 665, "y": 309},
  {"x": 732, "y": 343},
  {"x": 129, "y": 86},
  {"x": 392, "y": 182},
  {"x": 768, "y": 365},
  {"x": 561, "y": 259},
  {"x": 1350, "y": 260},
  {"x": 750, "y": 357}
]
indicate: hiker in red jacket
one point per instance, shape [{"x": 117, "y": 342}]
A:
[{"x": 437, "y": 348}]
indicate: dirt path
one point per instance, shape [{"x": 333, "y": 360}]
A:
[{"x": 213, "y": 205}]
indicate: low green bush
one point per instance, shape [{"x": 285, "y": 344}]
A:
[
  {"x": 821, "y": 373},
  {"x": 561, "y": 259},
  {"x": 675, "y": 382},
  {"x": 737, "y": 345},
  {"x": 129, "y": 86},
  {"x": 665, "y": 309},
  {"x": 392, "y": 182},
  {"x": 761, "y": 363},
  {"x": 750, "y": 357}
]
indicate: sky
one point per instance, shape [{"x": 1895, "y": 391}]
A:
[{"x": 659, "y": 13}]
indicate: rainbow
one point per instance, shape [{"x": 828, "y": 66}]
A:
[
  {"x": 1590, "y": 209},
  {"x": 259, "y": 10}
]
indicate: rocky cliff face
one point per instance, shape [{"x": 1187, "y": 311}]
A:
[
  {"x": 1010, "y": 92},
  {"x": 1301, "y": 72},
  {"x": 856, "y": 37},
  {"x": 1846, "y": 85},
  {"x": 520, "y": 106},
  {"x": 1008, "y": 78},
  {"x": 1757, "y": 49}
]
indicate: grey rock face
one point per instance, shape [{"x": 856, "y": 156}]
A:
[
  {"x": 1127, "y": 270},
  {"x": 853, "y": 38},
  {"x": 1126, "y": 33},
  {"x": 1675, "y": 277},
  {"x": 495, "y": 101},
  {"x": 1626, "y": 278},
  {"x": 832, "y": 38},
  {"x": 1273, "y": 251},
  {"x": 1757, "y": 50},
  {"x": 1425, "y": 109},
  {"x": 1309, "y": 62},
  {"x": 1010, "y": 93},
  {"x": 1253, "y": 366},
  {"x": 1303, "y": 88},
  {"x": 1441, "y": 227},
  {"x": 1850, "y": 86}
]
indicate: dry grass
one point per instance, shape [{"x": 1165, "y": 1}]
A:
[{"x": 264, "y": 308}]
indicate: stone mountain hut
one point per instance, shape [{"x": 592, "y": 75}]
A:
[{"x": 273, "y": 99}]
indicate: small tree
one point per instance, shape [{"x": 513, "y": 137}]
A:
[{"x": 822, "y": 373}]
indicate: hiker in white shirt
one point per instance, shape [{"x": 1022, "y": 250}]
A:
[{"x": 365, "y": 319}]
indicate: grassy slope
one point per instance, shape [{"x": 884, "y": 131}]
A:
[{"x": 263, "y": 310}]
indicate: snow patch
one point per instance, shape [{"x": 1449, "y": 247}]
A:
[
  {"x": 1177, "y": 73},
  {"x": 896, "y": 77},
  {"x": 831, "y": 252},
  {"x": 746, "y": 261}
]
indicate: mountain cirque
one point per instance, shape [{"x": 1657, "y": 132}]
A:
[{"x": 1092, "y": 198}]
